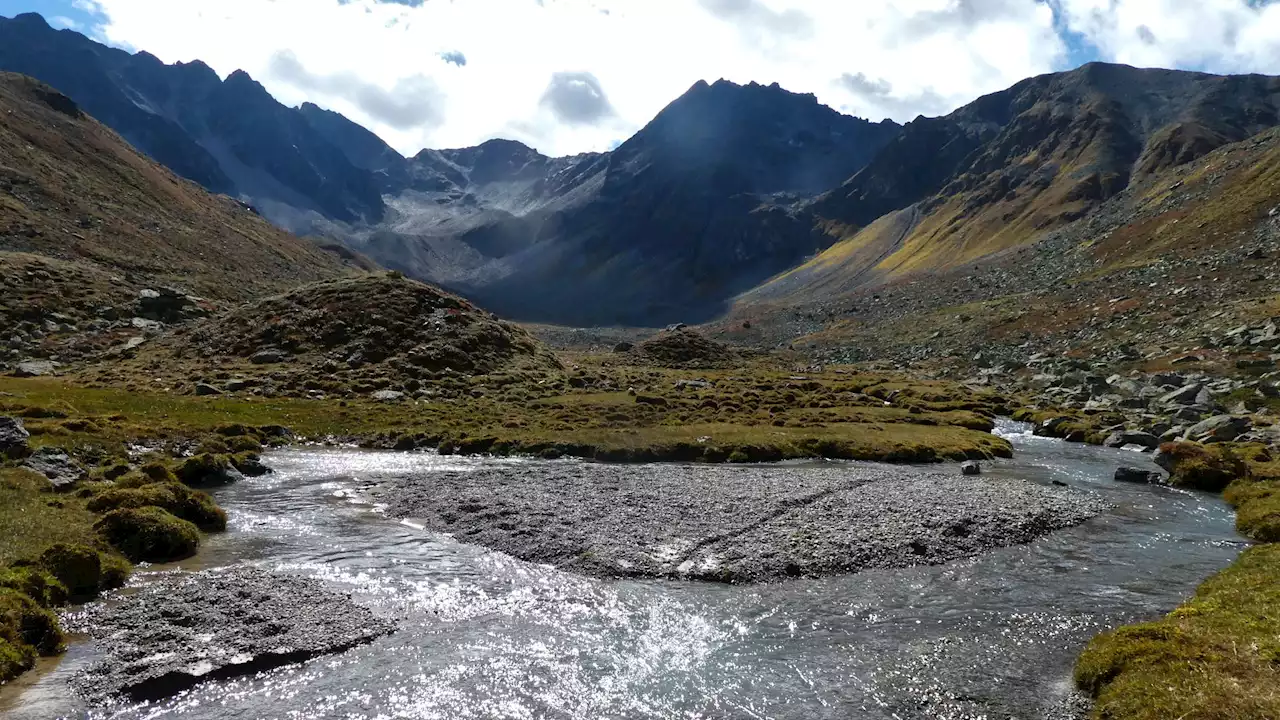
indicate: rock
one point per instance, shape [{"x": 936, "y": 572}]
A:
[
  {"x": 208, "y": 471},
  {"x": 169, "y": 305},
  {"x": 1221, "y": 428},
  {"x": 205, "y": 389},
  {"x": 35, "y": 368},
  {"x": 387, "y": 396},
  {"x": 676, "y": 326},
  {"x": 970, "y": 467},
  {"x": 185, "y": 629},
  {"x": 146, "y": 325},
  {"x": 134, "y": 343},
  {"x": 252, "y": 466},
  {"x": 236, "y": 385},
  {"x": 1123, "y": 438},
  {"x": 623, "y": 347},
  {"x": 56, "y": 465},
  {"x": 1183, "y": 396},
  {"x": 268, "y": 357},
  {"x": 13, "y": 437},
  {"x": 1138, "y": 475},
  {"x": 695, "y": 384}
]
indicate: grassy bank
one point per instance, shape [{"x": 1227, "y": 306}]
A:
[{"x": 1217, "y": 657}]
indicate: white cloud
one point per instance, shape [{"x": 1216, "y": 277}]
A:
[
  {"x": 874, "y": 58},
  {"x": 61, "y": 21}
]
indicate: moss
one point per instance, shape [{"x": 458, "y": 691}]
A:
[
  {"x": 191, "y": 505},
  {"x": 205, "y": 469},
  {"x": 27, "y": 630},
  {"x": 1214, "y": 658},
  {"x": 1202, "y": 467},
  {"x": 149, "y": 534},
  {"x": 36, "y": 583},
  {"x": 115, "y": 571},
  {"x": 244, "y": 444},
  {"x": 77, "y": 567}
]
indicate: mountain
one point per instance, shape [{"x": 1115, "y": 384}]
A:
[
  {"x": 1003, "y": 170},
  {"x": 701, "y": 204},
  {"x": 229, "y": 136}
]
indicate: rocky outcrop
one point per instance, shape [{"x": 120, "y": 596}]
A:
[
  {"x": 184, "y": 629},
  {"x": 57, "y": 465},
  {"x": 13, "y": 437}
]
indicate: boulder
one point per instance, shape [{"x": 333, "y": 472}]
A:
[
  {"x": 1182, "y": 396},
  {"x": 388, "y": 396},
  {"x": 13, "y": 437},
  {"x": 58, "y": 466},
  {"x": 208, "y": 470},
  {"x": 1138, "y": 475},
  {"x": 268, "y": 357},
  {"x": 1128, "y": 437},
  {"x": 970, "y": 467},
  {"x": 1220, "y": 428},
  {"x": 205, "y": 389},
  {"x": 623, "y": 347},
  {"x": 35, "y": 368}
]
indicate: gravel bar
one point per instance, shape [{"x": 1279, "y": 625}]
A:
[
  {"x": 188, "y": 628},
  {"x": 732, "y": 524}
]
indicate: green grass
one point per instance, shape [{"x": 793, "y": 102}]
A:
[
  {"x": 1214, "y": 658},
  {"x": 32, "y": 521},
  {"x": 1217, "y": 657}
]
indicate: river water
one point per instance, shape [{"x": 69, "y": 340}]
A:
[{"x": 483, "y": 635}]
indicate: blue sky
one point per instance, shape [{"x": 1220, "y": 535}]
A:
[{"x": 567, "y": 76}]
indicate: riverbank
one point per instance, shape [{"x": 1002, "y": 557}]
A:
[{"x": 1213, "y": 658}]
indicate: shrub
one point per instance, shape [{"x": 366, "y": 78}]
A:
[
  {"x": 149, "y": 534},
  {"x": 183, "y": 502}
]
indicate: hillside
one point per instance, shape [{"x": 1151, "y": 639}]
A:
[
  {"x": 1169, "y": 269},
  {"x": 998, "y": 173},
  {"x": 87, "y": 224}
]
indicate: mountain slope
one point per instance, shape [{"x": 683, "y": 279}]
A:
[
  {"x": 998, "y": 172},
  {"x": 696, "y": 207},
  {"x": 229, "y": 136}
]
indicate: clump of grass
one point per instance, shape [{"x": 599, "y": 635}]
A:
[
  {"x": 27, "y": 630},
  {"x": 149, "y": 534},
  {"x": 1202, "y": 467},
  {"x": 1215, "y": 658},
  {"x": 78, "y": 568},
  {"x": 191, "y": 505}
]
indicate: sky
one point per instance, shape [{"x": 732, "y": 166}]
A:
[{"x": 569, "y": 76}]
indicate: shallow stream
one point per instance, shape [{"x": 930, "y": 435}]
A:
[{"x": 485, "y": 636}]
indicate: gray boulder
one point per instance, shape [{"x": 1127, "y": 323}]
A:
[
  {"x": 56, "y": 465},
  {"x": 13, "y": 437},
  {"x": 970, "y": 467},
  {"x": 388, "y": 396},
  {"x": 205, "y": 389},
  {"x": 1220, "y": 428},
  {"x": 1128, "y": 437},
  {"x": 35, "y": 368},
  {"x": 1138, "y": 475},
  {"x": 268, "y": 357},
  {"x": 1182, "y": 396}
]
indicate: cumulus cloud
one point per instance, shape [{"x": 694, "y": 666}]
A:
[
  {"x": 576, "y": 98},
  {"x": 385, "y": 64},
  {"x": 413, "y": 101}
]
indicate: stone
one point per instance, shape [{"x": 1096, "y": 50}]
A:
[
  {"x": 146, "y": 325},
  {"x": 58, "y": 467},
  {"x": 694, "y": 384},
  {"x": 1182, "y": 396},
  {"x": 268, "y": 357},
  {"x": 205, "y": 389},
  {"x": 1138, "y": 475},
  {"x": 236, "y": 385},
  {"x": 388, "y": 396},
  {"x": 35, "y": 368},
  {"x": 1221, "y": 428},
  {"x": 970, "y": 467},
  {"x": 13, "y": 437},
  {"x": 1144, "y": 440},
  {"x": 623, "y": 347}
]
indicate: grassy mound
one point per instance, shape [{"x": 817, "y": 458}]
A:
[
  {"x": 346, "y": 337},
  {"x": 179, "y": 500},
  {"x": 27, "y": 630},
  {"x": 149, "y": 534},
  {"x": 684, "y": 348}
]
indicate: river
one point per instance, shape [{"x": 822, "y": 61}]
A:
[{"x": 483, "y": 635}]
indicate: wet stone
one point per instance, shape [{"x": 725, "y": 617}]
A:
[{"x": 190, "y": 628}]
